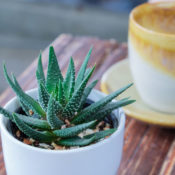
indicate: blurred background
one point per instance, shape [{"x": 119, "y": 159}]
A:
[{"x": 28, "y": 26}]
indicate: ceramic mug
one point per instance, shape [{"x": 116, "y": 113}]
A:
[{"x": 152, "y": 53}]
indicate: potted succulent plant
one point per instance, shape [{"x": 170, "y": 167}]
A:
[{"x": 64, "y": 126}]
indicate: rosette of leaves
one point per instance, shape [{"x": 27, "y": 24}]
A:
[{"x": 58, "y": 115}]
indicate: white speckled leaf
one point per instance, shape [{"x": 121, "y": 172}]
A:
[{"x": 53, "y": 72}]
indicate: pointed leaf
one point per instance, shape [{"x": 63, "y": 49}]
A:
[
  {"x": 39, "y": 72},
  {"x": 26, "y": 99},
  {"x": 72, "y": 80},
  {"x": 74, "y": 103},
  {"x": 41, "y": 136},
  {"x": 93, "y": 108},
  {"x": 52, "y": 117},
  {"x": 6, "y": 113},
  {"x": 100, "y": 115},
  {"x": 55, "y": 92},
  {"x": 16, "y": 82},
  {"x": 86, "y": 93},
  {"x": 73, "y": 131},
  {"x": 76, "y": 141},
  {"x": 67, "y": 81},
  {"x": 53, "y": 72},
  {"x": 24, "y": 107},
  {"x": 101, "y": 134},
  {"x": 61, "y": 96},
  {"x": 82, "y": 70},
  {"x": 34, "y": 122},
  {"x": 87, "y": 71},
  {"x": 43, "y": 96}
]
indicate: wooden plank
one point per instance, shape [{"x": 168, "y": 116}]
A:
[
  {"x": 131, "y": 143},
  {"x": 149, "y": 154},
  {"x": 118, "y": 54},
  {"x": 168, "y": 165}
]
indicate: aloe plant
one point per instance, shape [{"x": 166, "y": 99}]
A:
[{"x": 61, "y": 116}]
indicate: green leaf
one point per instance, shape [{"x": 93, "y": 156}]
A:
[
  {"x": 74, "y": 103},
  {"x": 82, "y": 70},
  {"x": 101, "y": 134},
  {"x": 53, "y": 72},
  {"x": 100, "y": 115},
  {"x": 72, "y": 80},
  {"x": 61, "y": 96},
  {"x": 43, "y": 96},
  {"x": 86, "y": 93},
  {"x": 87, "y": 71},
  {"x": 33, "y": 122},
  {"x": 41, "y": 136},
  {"x": 95, "y": 107},
  {"x": 16, "y": 82},
  {"x": 24, "y": 107},
  {"x": 73, "y": 131},
  {"x": 75, "y": 141},
  {"x": 52, "y": 117},
  {"x": 6, "y": 113},
  {"x": 67, "y": 81},
  {"x": 26, "y": 99},
  {"x": 39, "y": 72},
  {"x": 55, "y": 92}
]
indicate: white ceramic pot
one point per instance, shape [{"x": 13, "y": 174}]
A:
[{"x": 102, "y": 158}]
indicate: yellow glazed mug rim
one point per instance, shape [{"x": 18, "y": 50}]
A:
[
  {"x": 147, "y": 5},
  {"x": 163, "y": 40}
]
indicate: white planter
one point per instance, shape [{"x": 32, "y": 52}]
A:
[{"x": 102, "y": 158}]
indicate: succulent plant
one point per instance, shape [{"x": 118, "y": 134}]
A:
[{"x": 58, "y": 115}]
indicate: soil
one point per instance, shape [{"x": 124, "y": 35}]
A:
[{"x": 109, "y": 122}]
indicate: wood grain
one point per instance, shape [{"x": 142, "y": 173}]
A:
[{"x": 148, "y": 150}]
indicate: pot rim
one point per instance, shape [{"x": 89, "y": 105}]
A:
[{"x": 4, "y": 130}]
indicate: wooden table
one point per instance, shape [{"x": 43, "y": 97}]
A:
[{"x": 148, "y": 150}]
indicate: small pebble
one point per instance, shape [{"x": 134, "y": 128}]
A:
[
  {"x": 67, "y": 122},
  {"x": 31, "y": 112},
  {"x": 18, "y": 133},
  {"x": 63, "y": 126},
  {"x": 27, "y": 141},
  {"x": 46, "y": 146},
  {"x": 58, "y": 147}
]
